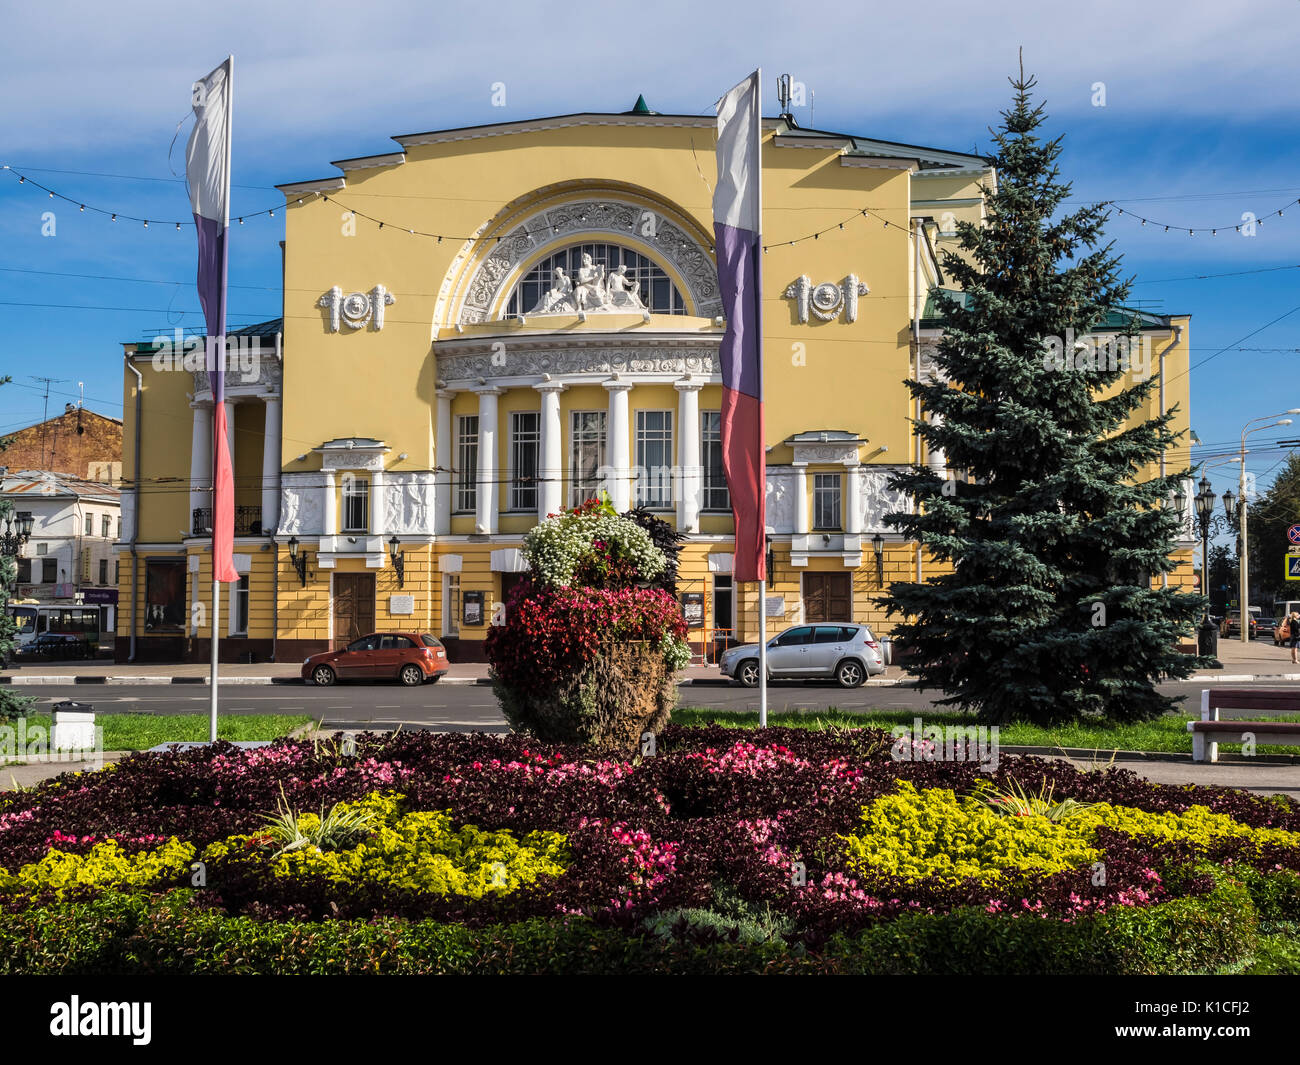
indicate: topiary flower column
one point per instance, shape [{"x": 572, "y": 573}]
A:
[{"x": 586, "y": 652}]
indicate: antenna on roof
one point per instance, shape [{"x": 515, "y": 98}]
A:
[{"x": 783, "y": 94}]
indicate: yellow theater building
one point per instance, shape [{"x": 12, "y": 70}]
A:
[{"x": 489, "y": 324}]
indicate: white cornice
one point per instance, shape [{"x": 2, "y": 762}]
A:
[
  {"x": 370, "y": 162},
  {"x": 320, "y": 185},
  {"x": 880, "y": 162},
  {"x": 505, "y": 129}
]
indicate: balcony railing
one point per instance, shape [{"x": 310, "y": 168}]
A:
[{"x": 248, "y": 521}]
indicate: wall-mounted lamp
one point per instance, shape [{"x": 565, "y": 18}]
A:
[
  {"x": 299, "y": 560},
  {"x": 399, "y": 560},
  {"x": 878, "y": 547},
  {"x": 826, "y": 540}
]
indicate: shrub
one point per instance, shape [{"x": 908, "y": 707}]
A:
[{"x": 593, "y": 547}]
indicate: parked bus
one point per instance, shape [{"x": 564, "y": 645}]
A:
[{"x": 34, "y": 620}]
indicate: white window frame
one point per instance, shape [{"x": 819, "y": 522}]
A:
[
  {"x": 90, "y": 523},
  {"x": 707, "y": 490},
  {"x": 654, "y": 492},
  {"x": 355, "y": 488},
  {"x": 450, "y": 609},
  {"x": 579, "y": 490},
  {"x": 465, "y": 492},
  {"x": 523, "y": 496},
  {"x": 834, "y": 485}
]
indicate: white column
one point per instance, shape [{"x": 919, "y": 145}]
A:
[
  {"x": 230, "y": 429},
  {"x": 935, "y": 459},
  {"x": 801, "y": 525},
  {"x": 377, "y": 500},
  {"x": 691, "y": 480},
  {"x": 270, "y": 465},
  {"x": 550, "y": 467},
  {"x": 329, "y": 508},
  {"x": 617, "y": 447},
  {"x": 485, "y": 519},
  {"x": 200, "y": 461},
  {"x": 443, "y": 458},
  {"x": 853, "y": 498}
]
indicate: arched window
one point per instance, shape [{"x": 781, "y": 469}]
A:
[{"x": 621, "y": 280}]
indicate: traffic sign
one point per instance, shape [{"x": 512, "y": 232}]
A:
[
  {"x": 1293, "y": 534},
  {"x": 1293, "y": 567}
]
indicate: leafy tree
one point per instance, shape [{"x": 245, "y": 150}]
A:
[
  {"x": 1049, "y": 613},
  {"x": 1269, "y": 519}
]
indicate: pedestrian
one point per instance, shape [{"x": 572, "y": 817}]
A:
[{"x": 1293, "y": 634}]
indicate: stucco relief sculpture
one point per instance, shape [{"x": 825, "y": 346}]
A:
[
  {"x": 878, "y": 499},
  {"x": 595, "y": 289},
  {"x": 780, "y": 502},
  {"x": 828, "y": 300},
  {"x": 300, "y": 504},
  {"x": 356, "y": 308}
]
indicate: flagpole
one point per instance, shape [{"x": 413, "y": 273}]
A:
[
  {"x": 213, "y": 672},
  {"x": 762, "y": 454}
]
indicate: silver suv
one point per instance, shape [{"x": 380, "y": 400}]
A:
[{"x": 849, "y": 653}]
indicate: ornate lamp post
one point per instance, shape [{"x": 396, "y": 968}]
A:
[{"x": 17, "y": 531}]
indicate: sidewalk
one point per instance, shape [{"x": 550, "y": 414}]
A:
[{"x": 1259, "y": 660}]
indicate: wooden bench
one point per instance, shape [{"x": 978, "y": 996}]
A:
[{"x": 1210, "y": 731}]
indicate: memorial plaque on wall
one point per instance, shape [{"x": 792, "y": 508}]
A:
[{"x": 472, "y": 608}]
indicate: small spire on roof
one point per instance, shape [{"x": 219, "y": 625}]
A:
[{"x": 641, "y": 107}]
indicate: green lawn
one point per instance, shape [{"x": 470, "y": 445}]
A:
[
  {"x": 136, "y": 732},
  {"x": 1167, "y": 735}
]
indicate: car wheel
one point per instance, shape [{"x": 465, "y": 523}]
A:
[
  {"x": 411, "y": 675},
  {"x": 323, "y": 676},
  {"x": 747, "y": 673},
  {"x": 850, "y": 673}
]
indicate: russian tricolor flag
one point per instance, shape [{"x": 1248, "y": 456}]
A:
[
  {"x": 207, "y": 168},
  {"x": 737, "y": 210}
]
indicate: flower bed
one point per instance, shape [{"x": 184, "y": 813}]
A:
[{"x": 786, "y": 850}]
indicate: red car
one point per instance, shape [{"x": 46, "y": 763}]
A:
[{"x": 410, "y": 657}]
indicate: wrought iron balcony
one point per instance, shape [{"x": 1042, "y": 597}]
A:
[{"x": 248, "y": 521}]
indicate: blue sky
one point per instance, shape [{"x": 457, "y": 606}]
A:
[{"x": 1200, "y": 125}]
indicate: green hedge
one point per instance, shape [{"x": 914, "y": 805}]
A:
[{"x": 119, "y": 934}]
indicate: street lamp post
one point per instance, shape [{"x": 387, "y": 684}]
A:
[
  {"x": 1243, "y": 578},
  {"x": 17, "y": 531}
]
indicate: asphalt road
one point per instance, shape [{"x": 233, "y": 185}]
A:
[{"x": 459, "y": 707}]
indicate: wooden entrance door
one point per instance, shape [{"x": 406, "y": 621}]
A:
[
  {"x": 354, "y": 607},
  {"x": 827, "y": 597}
]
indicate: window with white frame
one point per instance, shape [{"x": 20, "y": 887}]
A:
[
  {"x": 105, "y": 526},
  {"x": 239, "y": 607},
  {"x": 451, "y": 604},
  {"x": 654, "y": 459},
  {"x": 586, "y": 455},
  {"x": 356, "y": 504},
  {"x": 826, "y": 501},
  {"x": 42, "y": 549},
  {"x": 525, "y": 442},
  {"x": 466, "y": 463},
  {"x": 103, "y": 571},
  {"x": 715, "y": 496},
  {"x": 90, "y": 524}
]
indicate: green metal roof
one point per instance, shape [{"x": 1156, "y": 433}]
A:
[{"x": 1118, "y": 319}]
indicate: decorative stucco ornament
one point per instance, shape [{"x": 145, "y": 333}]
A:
[
  {"x": 827, "y": 300},
  {"x": 356, "y": 308}
]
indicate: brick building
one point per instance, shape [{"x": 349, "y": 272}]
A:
[{"x": 78, "y": 443}]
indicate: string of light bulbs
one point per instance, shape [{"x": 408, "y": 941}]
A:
[
  {"x": 1214, "y": 230},
  {"x": 114, "y": 216},
  {"x": 864, "y": 212}
]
